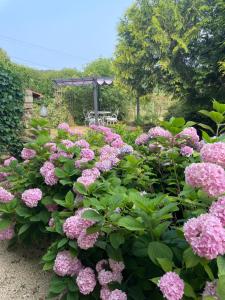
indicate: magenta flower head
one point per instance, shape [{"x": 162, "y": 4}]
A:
[
  {"x": 87, "y": 154},
  {"x": 47, "y": 166},
  {"x": 116, "y": 266},
  {"x": 67, "y": 265},
  {"x": 159, "y": 132},
  {"x": 206, "y": 235},
  {"x": 31, "y": 197},
  {"x": 86, "y": 281},
  {"x": 118, "y": 143},
  {"x": 5, "y": 196},
  {"x": 51, "y": 146},
  {"x": 7, "y": 234},
  {"x": 8, "y": 161},
  {"x": 217, "y": 209},
  {"x": 68, "y": 144},
  {"x": 86, "y": 241},
  {"x": 64, "y": 126},
  {"x": 186, "y": 151},
  {"x": 105, "y": 293},
  {"x": 208, "y": 176},
  {"x": 142, "y": 139},
  {"x": 117, "y": 295},
  {"x": 105, "y": 277},
  {"x": 86, "y": 180},
  {"x": 190, "y": 134},
  {"x": 171, "y": 286},
  {"x": 214, "y": 153},
  {"x": 82, "y": 144},
  {"x": 28, "y": 153}
]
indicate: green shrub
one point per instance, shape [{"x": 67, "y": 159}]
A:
[{"x": 11, "y": 110}]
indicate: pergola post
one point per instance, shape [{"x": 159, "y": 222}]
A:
[{"x": 95, "y": 94}]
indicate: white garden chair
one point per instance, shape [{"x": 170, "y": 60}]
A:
[{"x": 113, "y": 119}]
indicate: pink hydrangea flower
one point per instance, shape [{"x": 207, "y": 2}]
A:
[
  {"x": 75, "y": 131},
  {"x": 171, "y": 286},
  {"x": 105, "y": 277},
  {"x": 7, "y": 234},
  {"x": 142, "y": 139},
  {"x": 50, "y": 178},
  {"x": 82, "y": 144},
  {"x": 186, "y": 151},
  {"x": 210, "y": 289},
  {"x": 3, "y": 176},
  {"x": 64, "y": 126},
  {"x": 155, "y": 147},
  {"x": 102, "y": 264},
  {"x": 208, "y": 176},
  {"x": 47, "y": 166},
  {"x": 159, "y": 132},
  {"x": 86, "y": 180},
  {"x": 31, "y": 197},
  {"x": 218, "y": 209},
  {"x": 68, "y": 144},
  {"x": 189, "y": 134},
  {"x": 206, "y": 236},
  {"x": 28, "y": 153},
  {"x": 104, "y": 166},
  {"x": 87, "y": 154},
  {"x": 105, "y": 293},
  {"x": 214, "y": 153},
  {"x": 73, "y": 226},
  {"x": 66, "y": 265},
  {"x": 86, "y": 241},
  {"x": 86, "y": 281},
  {"x": 117, "y": 295},
  {"x": 5, "y": 196},
  {"x": 118, "y": 143},
  {"x": 56, "y": 156},
  {"x": 116, "y": 266},
  {"x": 51, "y": 146},
  {"x": 8, "y": 161},
  {"x": 94, "y": 172},
  {"x": 110, "y": 137}
]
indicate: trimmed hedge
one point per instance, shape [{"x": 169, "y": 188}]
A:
[{"x": 11, "y": 110}]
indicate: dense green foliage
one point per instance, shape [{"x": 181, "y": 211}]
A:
[
  {"x": 178, "y": 45},
  {"x": 11, "y": 109}
]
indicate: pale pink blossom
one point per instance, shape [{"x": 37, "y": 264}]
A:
[
  {"x": 28, "y": 153},
  {"x": 8, "y": 161},
  {"x": 186, "y": 151},
  {"x": 117, "y": 295},
  {"x": 171, "y": 286},
  {"x": 64, "y": 126},
  {"x": 159, "y": 132},
  {"x": 7, "y": 234},
  {"x": 5, "y": 196},
  {"x": 31, "y": 197},
  {"x": 67, "y": 265},
  {"x": 86, "y": 281},
  {"x": 214, "y": 153},
  {"x": 86, "y": 241}
]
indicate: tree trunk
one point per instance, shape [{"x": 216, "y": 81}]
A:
[{"x": 138, "y": 108}]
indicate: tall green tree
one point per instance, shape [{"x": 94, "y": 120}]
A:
[{"x": 177, "y": 44}]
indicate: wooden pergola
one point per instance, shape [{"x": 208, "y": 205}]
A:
[{"x": 94, "y": 81}]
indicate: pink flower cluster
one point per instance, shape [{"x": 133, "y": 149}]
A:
[
  {"x": 28, "y": 153},
  {"x": 159, "y": 132},
  {"x": 208, "y": 176},
  {"x": 214, "y": 153},
  {"x": 86, "y": 281},
  {"x": 3, "y": 176},
  {"x": 31, "y": 197},
  {"x": 67, "y": 265},
  {"x": 206, "y": 235},
  {"x": 59, "y": 154},
  {"x": 82, "y": 144},
  {"x": 126, "y": 149},
  {"x": 217, "y": 209},
  {"x": 186, "y": 151},
  {"x": 86, "y": 155},
  {"x": 89, "y": 176},
  {"x": 110, "y": 271},
  {"x": 75, "y": 228},
  {"x": 5, "y": 196},
  {"x": 190, "y": 134},
  {"x": 51, "y": 146},
  {"x": 171, "y": 286},
  {"x": 64, "y": 126},
  {"x": 108, "y": 158},
  {"x": 142, "y": 139},
  {"x": 8, "y": 161},
  {"x": 48, "y": 172},
  {"x": 210, "y": 290},
  {"x": 68, "y": 144},
  {"x": 7, "y": 234}
]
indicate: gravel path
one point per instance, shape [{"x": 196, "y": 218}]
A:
[{"x": 21, "y": 276}]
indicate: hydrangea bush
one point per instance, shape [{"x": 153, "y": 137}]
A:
[{"x": 119, "y": 221}]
